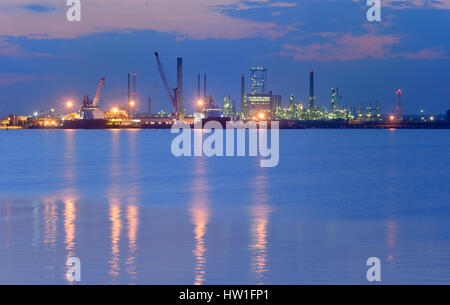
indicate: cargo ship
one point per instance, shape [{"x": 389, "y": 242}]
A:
[
  {"x": 85, "y": 124},
  {"x": 90, "y": 116}
]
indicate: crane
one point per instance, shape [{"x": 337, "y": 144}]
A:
[
  {"x": 172, "y": 97},
  {"x": 97, "y": 94},
  {"x": 89, "y": 109}
]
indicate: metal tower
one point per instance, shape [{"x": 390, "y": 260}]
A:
[
  {"x": 333, "y": 100},
  {"x": 312, "y": 98},
  {"x": 258, "y": 79},
  {"x": 399, "y": 105},
  {"x": 242, "y": 93}
]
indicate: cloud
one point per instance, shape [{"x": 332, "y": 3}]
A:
[
  {"x": 37, "y": 8},
  {"x": 408, "y": 4},
  {"x": 344, "y": 47},
  {"x": 10, "y": 49},
  {"x": 251, "y": 4},
  {"x": 412, "y": 4},
  {"x": 429, "y": 53},
  {"x": 347, "y": 47},
  {"x": 195, "y": 19},
  {"x": 11, "y": 79}
]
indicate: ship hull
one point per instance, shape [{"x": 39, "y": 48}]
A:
[{"x": 85, "y": 124}]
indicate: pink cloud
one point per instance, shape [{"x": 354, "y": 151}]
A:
[
  {"x": 404, "y": 4},
  {"x": 429, "y": 53},
  {"x": 10, "y": 49},
  {"x": 345, "y": 47},
  {"x": 348, "y": 47},
  {"x": 10, "y": 79},
  {"x": 195, "y": 19}
]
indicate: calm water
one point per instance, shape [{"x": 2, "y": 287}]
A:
[{"x": 133, "y": 213}]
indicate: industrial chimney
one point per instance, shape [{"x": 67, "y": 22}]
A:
[
  {"x": 242, "y": 93},
  {"x": 311, "y": 89},
  {"x": 204, "y": 88},
  {"x": 198, "y": 89},
  {"x": 180, "y": 87}
]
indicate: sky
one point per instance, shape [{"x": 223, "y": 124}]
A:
[{"x": 46, "y": 60}]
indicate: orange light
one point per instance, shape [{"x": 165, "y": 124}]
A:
[
  {"x": 115, "y": 110},
  {"x": 199, "y": 102},
  {"x": 132, "y": 103},
  {"x": 261, "y": 116},
  {"x": 392, "y": 117},
  {"x": 69, "y": 104}
]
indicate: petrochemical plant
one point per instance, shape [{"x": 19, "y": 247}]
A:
[{"x": 256, "y": 104}]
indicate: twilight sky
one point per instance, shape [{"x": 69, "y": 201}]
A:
[{"x": 45, "y": 60}]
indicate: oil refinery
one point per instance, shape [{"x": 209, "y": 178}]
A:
[{"x": 256, "y": 104}]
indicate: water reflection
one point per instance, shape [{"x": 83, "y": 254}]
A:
[
  {"x": 69, "y": 165},
  {"x": 259, "y": 212},
  {"x": 200, "y": 216},
  {"x": 36, "y": 226},
  {"x": 8, "y": 225},
  {"x": 70, "y": 193},
  {"x": 50, "y": 214},
  {"x": 70, "y": 217},
  {"x": 114, "y": 206},
  {"x": 133, "y": 225},
  {"x": 116, "y": 227},
  {"x": 391, "y": 239},
  {"x": 123, "y": 202}
]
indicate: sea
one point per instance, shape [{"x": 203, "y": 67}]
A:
[{"x": 133, "y": 213}]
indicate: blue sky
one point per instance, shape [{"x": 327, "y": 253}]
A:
[{"x": 46, "y": 60}]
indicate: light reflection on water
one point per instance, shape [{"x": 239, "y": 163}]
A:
[
  {"x": 391, "y": 239},
  {"x": 50, "y": 234},
  {"x": 259, "y": 213},
  {"x": 122, "y": 206},
  {"x": 123, "y": 199},
  {"x": 200, "y": 215},
  {"x": 70, "y": 196}
]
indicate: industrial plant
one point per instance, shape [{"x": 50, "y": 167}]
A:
[{"x": 257, "y": 103}]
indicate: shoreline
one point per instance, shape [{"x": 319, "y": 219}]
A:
[{"x": 282, "y": 125}]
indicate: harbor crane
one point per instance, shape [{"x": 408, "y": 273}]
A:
[
  {"x": 90, "y": 109},
  {"x": 172, "y": 97},
  {"x": 97, "y": 94}
]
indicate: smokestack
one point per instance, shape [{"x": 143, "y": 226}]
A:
[
  {"x": 199, "y": 90},
  {"x": 333, "y": 99},
  {"x": 134, "y": 87},
  {"x": 311, "y": 88},
  {"x": 129, "y": 92},
  {"x": 204, "y": 88},
  {"x": 180, "y": 84},
  {"x": 242, "y": 93},
  {"x": 337, "y": 95},
  {"x": 149, "y": 106},
  {"x": 399, "y": 104}
]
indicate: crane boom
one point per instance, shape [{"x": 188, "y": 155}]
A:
[
  {"x": 166, "y": 83},
  {"x": 99, "y": 90}
]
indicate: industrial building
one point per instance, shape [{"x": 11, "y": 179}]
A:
[
  {"x": 370, "y": 112},
  {"x": 258, "y": 104}
]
